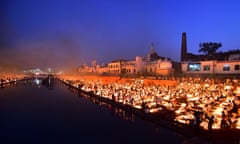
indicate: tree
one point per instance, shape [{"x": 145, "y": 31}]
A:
[{"x": 209, "y": 48}]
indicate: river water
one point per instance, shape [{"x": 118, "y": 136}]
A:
[{"x": 39, "y": 115}]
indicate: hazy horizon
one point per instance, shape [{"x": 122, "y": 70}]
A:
[{"x": 65, "y": 34}]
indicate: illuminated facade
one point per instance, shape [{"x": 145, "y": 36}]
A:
[
  {"x": 151, "y": 64},
  {"x": 211, "y": 67},
  {"x": 36, "y": 71},
  {"x": 219, "y": 63},
  {"x": 157, "y": 67}
]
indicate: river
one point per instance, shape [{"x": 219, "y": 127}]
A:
[{"x": 36, "y": 114}]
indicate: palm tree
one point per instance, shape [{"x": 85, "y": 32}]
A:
[{"x": 209, "y": 48}]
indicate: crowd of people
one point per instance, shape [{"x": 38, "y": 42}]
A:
[{"x": 209, "y": 103}]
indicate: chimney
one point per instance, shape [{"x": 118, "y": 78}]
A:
[{"x": 184, "y": 47}]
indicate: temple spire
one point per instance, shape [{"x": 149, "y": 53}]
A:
[{"x": 151, "y": 49}]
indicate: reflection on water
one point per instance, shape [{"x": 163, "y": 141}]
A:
[
  {"x": 115, "y": 111},
  {"x": 123, "y": 114},
  {"x": 37, "y": 81},
  {"x": 47, "y": 81}
]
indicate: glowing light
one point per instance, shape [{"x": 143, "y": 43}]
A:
[
  {"x": 238, "y": 124},
  {"x": 218, "y": 111},
  {"x": 152, "y": 110},
  {"x": 227, "y": 87},
  {"x": 137, "y": 106},
  {"x": 37, "y": 81}
]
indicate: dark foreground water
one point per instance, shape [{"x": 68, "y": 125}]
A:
[{"x": 32, "y": 114}]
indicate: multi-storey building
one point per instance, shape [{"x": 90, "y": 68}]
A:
[
  {"x": 211, "y": 67},
  {"x": 151, "y": 64},
  {"x": 219, "y": 63}
]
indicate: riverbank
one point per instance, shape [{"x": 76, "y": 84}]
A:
[
  {"x": 112, "y": 79},
  {"x": 164, "y": 118}
]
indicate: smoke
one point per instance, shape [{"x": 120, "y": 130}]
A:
[{"x": 56, "y": 52}]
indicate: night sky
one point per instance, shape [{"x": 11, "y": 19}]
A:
[{"x": 65, "y": 33}]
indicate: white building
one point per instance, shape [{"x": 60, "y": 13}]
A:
[
  {"x": 211, "y": 67},
  {"x": 219, "y": 63},
  {"x": 151, "y": 64}
]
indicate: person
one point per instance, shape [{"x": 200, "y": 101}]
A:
[
  {"x": 146, "y": 109},
  {"x": 223, "y": 121},
  {"x": 234, "y": 108},
  {"x": 113, "y": 97},
  {"x": 210, "y": 123},
  {"x": 197, "y": 119}
]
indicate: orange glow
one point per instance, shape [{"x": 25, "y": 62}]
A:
[{"x": 112, "y": 79}]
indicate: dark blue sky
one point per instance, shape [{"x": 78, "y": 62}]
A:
[{"x": 47, "y": 33}]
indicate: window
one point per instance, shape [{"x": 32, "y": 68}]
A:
[
  {"x": 237, "y": 67},
  {"x": 194, "y": 67},
  {"x": 206, "y": 68},
  {"x": 226, "y": 67}
]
